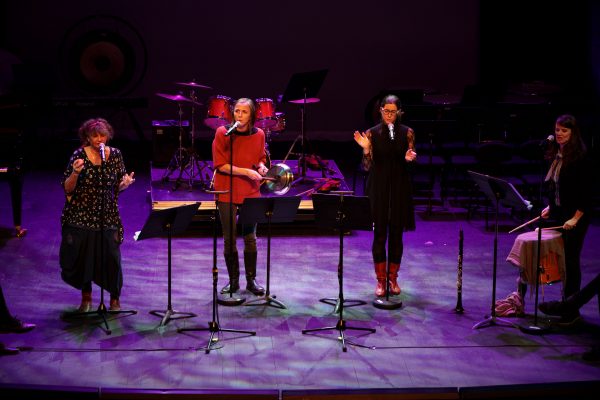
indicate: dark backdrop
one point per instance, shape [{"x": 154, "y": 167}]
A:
[{"x": 117, "y": 50}]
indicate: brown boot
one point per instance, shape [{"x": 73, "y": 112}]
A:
[
  {"x": 393, "y": 277},
  {"x": 86, "y": 302},
  {"x": 380, "y": 273}
]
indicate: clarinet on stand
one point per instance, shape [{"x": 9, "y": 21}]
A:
[{"x": 459, "y": 307}]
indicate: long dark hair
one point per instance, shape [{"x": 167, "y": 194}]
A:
[{"x": 575, "y": 148}]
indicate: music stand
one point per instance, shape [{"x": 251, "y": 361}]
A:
[
  {"x": 268, "y": 210},
  {"x": 170, "y": 221},
  {"x": 213, "y": 325},
  {"x": 302, "y": 89},
  {"x": 342, "y": 211},
  {"x": 499, "y": 192}
]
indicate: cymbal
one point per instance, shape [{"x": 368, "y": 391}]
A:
[
  {"x": 309, "y": 100},
  {"x": 178, "y": 98},
  {"x": 193, "y": 84}
]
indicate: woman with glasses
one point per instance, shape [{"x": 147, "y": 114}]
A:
[{"x": 388, "y": 150}]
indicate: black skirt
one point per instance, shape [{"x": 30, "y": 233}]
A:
[{"x": 81, "y": 260}]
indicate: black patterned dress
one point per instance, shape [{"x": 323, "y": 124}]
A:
[
  {"x": 389, "y": 188},
  {"x": 89, "y": 214}
]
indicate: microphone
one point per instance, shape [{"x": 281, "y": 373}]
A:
[
  {"x": 549, "y": 139},
  {"x": 102, "y": 152},
  {"x": 391, "y": 128},
  {"x": 237, "y": 123}
]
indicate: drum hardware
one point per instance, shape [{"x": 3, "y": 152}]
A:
[
  {"x": 184, "y": 160},
  {"x": 194, "y": 166},
  {"x": 179, "y": 159},
  {"x": 302, "y": 89}
]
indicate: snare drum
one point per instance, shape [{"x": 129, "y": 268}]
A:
[
  {"x": 218, "y": 111},
  {"x": 265, "y": 113},
  {"x": 280, "y": 122},
  {"x": 552, "y": 256}
]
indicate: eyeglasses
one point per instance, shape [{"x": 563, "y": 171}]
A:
[{"x": 389, "y": 112}]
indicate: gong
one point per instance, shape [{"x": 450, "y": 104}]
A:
[{"x": 279, "y": 178}]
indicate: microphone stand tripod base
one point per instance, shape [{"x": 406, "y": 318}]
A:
[
  {"x": 267, "y": 300},
  {"x": 336, "y": 303},
  {"x": 386, "y": 304},
  {"x": 230, "y": 300},
  {"x": 493, "y": 320},
  {"x": 535, "y": 329}
]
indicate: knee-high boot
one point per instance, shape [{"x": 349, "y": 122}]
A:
[
  {"x": 393, "y": 277},
  {"x": 233, "y": 269},
  {"x": 250, "y": 267},
  {"x": 380, "y": 274}
]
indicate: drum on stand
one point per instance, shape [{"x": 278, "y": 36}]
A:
[
  {"x": 552, "y": 256},
  {"x": 265, "y": 113},
  {"x": 219, "y": 111}
]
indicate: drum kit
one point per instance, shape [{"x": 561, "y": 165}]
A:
[{"x": 219, "y": 112}]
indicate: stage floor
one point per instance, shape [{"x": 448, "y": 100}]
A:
[
  {"x": 176, "y": 188},
  {"x": 424, "y": 347}
]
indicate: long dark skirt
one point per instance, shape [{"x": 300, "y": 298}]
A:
[{"x": 81, "y": 263}]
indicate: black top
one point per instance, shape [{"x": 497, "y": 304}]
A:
[
  {"x": 574, "y": 190},
  {"x": 389, "y": 184},
  {"x": 83, "y": 205}
]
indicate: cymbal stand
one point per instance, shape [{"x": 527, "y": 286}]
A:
[
  {"x": 195, "y": 166},
  {"x": 213, "y": 325},
  {"x": 178, "y": 161},
  {"x": 341, "y": 324},
  {"x": 302, "y": 159}
]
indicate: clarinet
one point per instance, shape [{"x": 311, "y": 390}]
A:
[{"x": 459, "y": 307}]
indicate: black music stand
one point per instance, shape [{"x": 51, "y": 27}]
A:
[
  {"x": 302, "y": 89},
  {"x": 499, "y": 192},
  {"x": 342, "y": 211},
  {"x": 268, "y": 210},
  {"x": 170, "y": 221},
  {"x": 213, "y": 325}
]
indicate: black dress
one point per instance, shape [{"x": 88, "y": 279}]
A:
[
  {"x": 389, "y": 189},
  {"x": 86, "y": 209}
]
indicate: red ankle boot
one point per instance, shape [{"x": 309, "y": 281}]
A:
[
  {"x": 380, "y": 274},
  {"x": 393, "y": 277}
]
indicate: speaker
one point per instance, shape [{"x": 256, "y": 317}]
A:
[{"x": 165, "y": 140}]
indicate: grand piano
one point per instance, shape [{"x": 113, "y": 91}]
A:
[{"x": 11, "y": 156}]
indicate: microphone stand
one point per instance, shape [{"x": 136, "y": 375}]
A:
[
  {"x": 213, "y": 325},
  {"x": 102, "y": 311},
  {"x": 230, "y": 300}
]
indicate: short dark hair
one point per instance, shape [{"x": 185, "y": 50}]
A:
[{"x": 90, "y": 126}]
